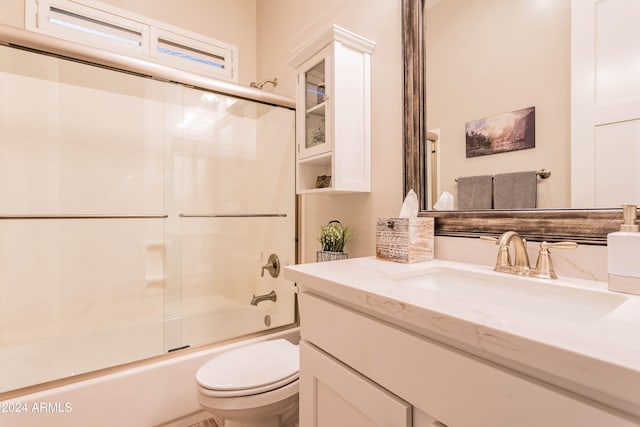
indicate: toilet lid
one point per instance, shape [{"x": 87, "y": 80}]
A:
[{"x": 256, "y": 366}]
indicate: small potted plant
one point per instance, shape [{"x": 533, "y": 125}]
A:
[{"x": 333, "y": 237}]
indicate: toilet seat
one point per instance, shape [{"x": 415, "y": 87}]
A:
[{"x": 249, "y": 370}]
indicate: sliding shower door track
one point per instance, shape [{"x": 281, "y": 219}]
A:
[
  {"x": 13, "y": 217},
  {"x": 251, "y": 215}
]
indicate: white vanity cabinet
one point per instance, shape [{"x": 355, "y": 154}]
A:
[
  {"x": 356, "y": 365},
  {"x": 333, "y": 113},
  {"x": 332, "y": 394}
]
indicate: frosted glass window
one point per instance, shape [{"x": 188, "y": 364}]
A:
[
  {"x": 184, "y": 52},
  {"x": 109, "y": 28},
  {"x": 87, "y": 25}
]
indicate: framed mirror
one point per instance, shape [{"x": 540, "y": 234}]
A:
[{"x": 552, "y": 224}]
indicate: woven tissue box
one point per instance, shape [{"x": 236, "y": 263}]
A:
[{"x": 405, "y": 240}]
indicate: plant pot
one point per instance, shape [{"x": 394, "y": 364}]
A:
[{"x": 330, "y": 256}]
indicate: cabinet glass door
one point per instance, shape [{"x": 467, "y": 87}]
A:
[{"x": 315, "y": 103}]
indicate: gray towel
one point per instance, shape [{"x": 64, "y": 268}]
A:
[
  {"x": 517, "y": 190},
  {"x": 475, "y": 192}
]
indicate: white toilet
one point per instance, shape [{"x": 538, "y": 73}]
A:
[{"x": 252, "y": 386}]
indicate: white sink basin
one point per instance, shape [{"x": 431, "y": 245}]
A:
[{"x": 504, "y": 297}]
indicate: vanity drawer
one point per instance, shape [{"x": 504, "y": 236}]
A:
[{"x": 459, "y": 389}]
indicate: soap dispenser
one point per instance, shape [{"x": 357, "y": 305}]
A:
[{"x": 623, "y": 250}]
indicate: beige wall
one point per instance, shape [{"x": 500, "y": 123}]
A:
[
  {"x": 12, "y": 13},
  {"x": 230, "y": 21},
  {"x": 283, "y": 25},
  {"x": 495, "y": 56}
]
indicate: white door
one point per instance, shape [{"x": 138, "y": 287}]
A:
[
  {"x": 333, "y": 395},
  {"x": 605, "y": 103}
]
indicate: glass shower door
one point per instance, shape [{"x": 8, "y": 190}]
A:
[
  {"x": 135, "y": 217},
  {"x": 234, "y": 161},
  {"x": 81, "y": 218}
]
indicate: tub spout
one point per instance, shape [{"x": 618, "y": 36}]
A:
[{"x": 271, "y": 296}]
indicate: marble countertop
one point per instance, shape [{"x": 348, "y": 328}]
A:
[{"x": 572, "y": 333}]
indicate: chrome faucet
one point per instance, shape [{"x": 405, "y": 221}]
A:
[{"x": 520, "y": 265}]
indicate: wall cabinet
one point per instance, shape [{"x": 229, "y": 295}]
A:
[
  {"x": 440, "y": 385},
  {"x": 333, "y": 113}
]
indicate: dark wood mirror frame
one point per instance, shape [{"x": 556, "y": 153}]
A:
[{"x": 581, "y": 225}]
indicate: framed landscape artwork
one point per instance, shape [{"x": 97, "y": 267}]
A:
[{"x": 505, "y": 132}]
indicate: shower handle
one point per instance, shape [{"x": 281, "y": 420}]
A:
[{"x": 272, "y": 265}]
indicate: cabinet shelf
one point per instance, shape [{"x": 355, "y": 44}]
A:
[
  {"x": 317, "y": 190},
  {"x": 324, "y": 158},
  {"x": 317, "y": 110},
  {"x": 311, "y": 169}
]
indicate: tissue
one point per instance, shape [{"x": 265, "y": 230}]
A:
[
  {"x": 409, "y": 206},
  {"x": 406, "y": 238},
  {"x": 445, "y": 202}
]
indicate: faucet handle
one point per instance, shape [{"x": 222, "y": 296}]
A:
[
  {"x": 503, "y": 261},
  {"x": 489, "y": 239},
  {"x": 272, "y": 265},
  {"x": 544, "y": 266},
  {"x": 559, "y": 245}
]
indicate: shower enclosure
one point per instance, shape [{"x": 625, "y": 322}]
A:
[{"x": 136, "y": 216}]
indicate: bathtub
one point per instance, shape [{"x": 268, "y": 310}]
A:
[
  {"x": 161, "y": 393},
  {"x": 204, "y": 320}
]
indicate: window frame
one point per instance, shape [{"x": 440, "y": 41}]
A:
[{"x": 151, "y": 33}]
